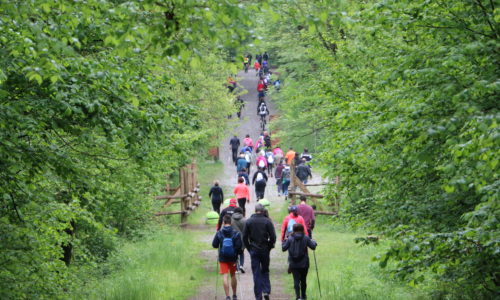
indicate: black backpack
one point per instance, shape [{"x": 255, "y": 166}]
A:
[
  {"x": 267, "y": 141},
  {"x": 297, "y": 249}
]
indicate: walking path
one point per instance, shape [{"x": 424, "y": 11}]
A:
[{"x": 249, "y": 124}]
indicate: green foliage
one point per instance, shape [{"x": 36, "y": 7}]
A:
[
  {"x": 404, "y": 98},
  {"x": 99, "y": 100}
]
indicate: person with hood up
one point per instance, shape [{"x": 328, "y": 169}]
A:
[
  {"x": 238, "y": 222},
  {"x": 298, "y": 258},
  {"x": 289, "y": 221},
  {"x": 229, "y": 243}
]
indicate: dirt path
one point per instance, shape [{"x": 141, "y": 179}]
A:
[{"x": 249, "y": 124}]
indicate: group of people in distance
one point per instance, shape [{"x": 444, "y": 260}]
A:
[{"x": 257, "y": 235}]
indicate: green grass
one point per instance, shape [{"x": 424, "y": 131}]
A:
[
  {"x": 346, "y": 270},
  {"x": 166, "y": 266}
]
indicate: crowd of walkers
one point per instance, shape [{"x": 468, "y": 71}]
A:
[{"x": 257, "y": 234}]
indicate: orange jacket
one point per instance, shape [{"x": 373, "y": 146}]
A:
[
  {"x": 290, "y": 155},
  {"x": 298, "y": 219},
  {"x": 241, "y": 191}
]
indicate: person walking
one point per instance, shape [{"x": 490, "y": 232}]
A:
[
  {"x": 303, "y": 171},
  {"x": 265, "y": 56},
  {"x": 217, "y": 196},
  {"x": 292, "y": 218},
  {"x": 226, "y": 211},
  {"x": 259, "y": 237},
  {"x": 235, "y": 144},
  {"x": 278, "y": 154},
  {"x": 238, "y": 222},
  {"x": 306, "y": 155},
  {"x": 261, "y": 161},
  {"x": 241, "y": 163},
  {"x": 228, "y": 241},
  {"x": 243, "y": 173},
  {"x": 290, "y": 156},
  {"x": 247, "y": 141},
  {"x": 307, "y": 213},
  {"x": 285, "y": 179},
  {"x": 242, "y": 194},
  {"x": 278, "y": 175},
  {"x": 270, "y": 161},
  {"x": 259, "y": 180},
  {"x": 298, "y": 258}
]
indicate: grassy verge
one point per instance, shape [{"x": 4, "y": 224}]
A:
[
  {"x": 346, "y": 270},
  {"x": 164, "y": 266}
]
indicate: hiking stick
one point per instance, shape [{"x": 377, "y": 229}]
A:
[
  {"x": 216, "y": 275},
  {"x": 317, "y": 273},
  {"x": 238, "y": 266}
]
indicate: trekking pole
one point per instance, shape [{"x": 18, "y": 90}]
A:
[
  {"x": 216, "y": 275},
  {"x": 317, "y": 273},
  {"x": 238, "y": 266}
]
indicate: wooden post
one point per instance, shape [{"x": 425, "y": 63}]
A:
[{"x": 184, "y": 191}]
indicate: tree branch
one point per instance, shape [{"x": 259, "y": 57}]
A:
[{"x": 483, "y": 9}]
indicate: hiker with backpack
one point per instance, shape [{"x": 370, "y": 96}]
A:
[
  {"x": 285, "y": 180},
  {"x": 292, "y": 218},
  {"x": 306, "y": 155},
  {"x": 261, "y": 161},
  {"x": 259, "y": 238},
  {"x": 298, "y": 258},
  {"x": 235, "y": 144},
  {"x": 260, "y": 181},
  {"x": 228, "y": 241},
  {"x": 270, "y": 162},
  {"x": 248, "y": 158},
  {"x": 267, "y": 140},
  {"x": 242, "y": 193},
  {"x": 238, "y": 222},
  {"x": 278, "y": 175},
  {"x": 307, "y": 213},
  {"x": 217, "y": 196},
  {"x": 229, "y": 210},
  {"x": 278, "y": 153}
]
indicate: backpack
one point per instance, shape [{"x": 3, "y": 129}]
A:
[
  {"x": 227, "y": 247},
  {"x": 260, "y": 176},
  {"x": 262, "y": 109},
  {"x": 297, "y": 251},
  {"x": 285, "y": 175},
  {"x": 248, "y": 157},
  {"x": 270, "y": 158},
  {"x": 262, "y": 164},
  {"x": 289, "y": 227},
  {"x": 267, "y": 141}
]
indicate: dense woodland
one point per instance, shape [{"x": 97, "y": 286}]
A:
[{"x": 99, "y": 99}]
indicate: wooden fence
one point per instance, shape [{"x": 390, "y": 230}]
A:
[
  {"x": 296, "y": 183},
  {"x": 186, "y": 194}
]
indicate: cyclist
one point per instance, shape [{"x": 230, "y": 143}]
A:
[{"x": 263, "y": 111}]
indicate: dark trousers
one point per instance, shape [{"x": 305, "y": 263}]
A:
[
  {"x": 241, "y": 203},
  {"x": 260, "y": 269},
  {"x": 310, "y": 232},
  {"x": 235, "y": 154},
  {"x": 216, "y": 205},
  {"x": 260, "y": 188},
  {"x": 300, "y": 282}
]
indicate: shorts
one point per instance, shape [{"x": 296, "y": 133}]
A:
[{"x": 227, "y": 267}]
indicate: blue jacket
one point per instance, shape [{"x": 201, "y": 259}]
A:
[
  {"x": 241, "y": 163},
  {"x": 225, "y": 232}
]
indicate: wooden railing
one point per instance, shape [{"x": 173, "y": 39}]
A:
[
  {"x": 186, "y": 194},
  {"x": 295, "y": 182}
]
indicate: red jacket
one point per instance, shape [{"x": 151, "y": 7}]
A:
[
  {"x": 260, "y": 86},
  {"x": 298, "y": 219}
]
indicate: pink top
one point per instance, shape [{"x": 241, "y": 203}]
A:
[
  {"x": 241, "y": 191},
  {"x": 260, "y": 158},
  {"x": 278, "y": 151},
  {"x": 248, "y": 142}
]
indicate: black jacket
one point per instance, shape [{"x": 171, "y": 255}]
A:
[
  {"x": 225, "y": 232},
  {"x": 259, "y": 233},
  {"x": 298, "y": 243},
  {"x": 228, "y": 210},
  {"x": 303, "y": 171},
  {"x": 255, "y": 176},
  {"x": 234, "y": 142},
  {"x": 216, "y": 193}
]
